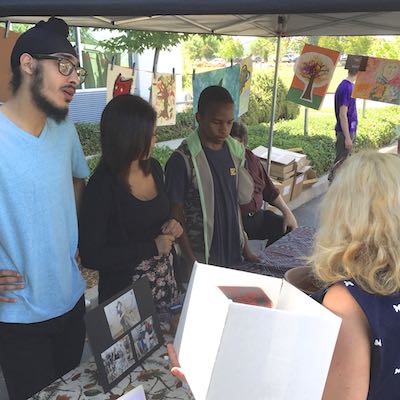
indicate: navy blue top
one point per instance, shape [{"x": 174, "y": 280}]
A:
[
  {"x": 225, "y": 247},
  {"x": 383, "y": 314}
]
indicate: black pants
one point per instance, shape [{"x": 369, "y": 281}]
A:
[
  {"x": 341, "y": 151},
  {"x": 34, "y": 355},
  {"x": 264, "y": 224}
]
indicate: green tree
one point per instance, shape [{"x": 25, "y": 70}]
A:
[
  {"x": 348, "y": 44},
  {"x": 137, "y": 41},
  {"x": 230, "y": 48},
  {"x": 385, "y": 48},
  {"x": 198, "y": 47},
  {"x": 263, "y": 47}
]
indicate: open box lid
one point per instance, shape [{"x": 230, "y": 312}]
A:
[{"x": 216, "y": 338}]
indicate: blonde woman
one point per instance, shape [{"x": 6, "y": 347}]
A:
[{"x": 357, "y": 258}]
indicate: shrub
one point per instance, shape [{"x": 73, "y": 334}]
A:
[
  {"x": 260, "y": 101},
  {"x": 378, "y": 129},
  {"x": 89, "y": 135}
]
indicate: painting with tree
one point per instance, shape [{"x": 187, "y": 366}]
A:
[
  {"x": 313, "y": 72},
  {"x": 163, "y": 98}
]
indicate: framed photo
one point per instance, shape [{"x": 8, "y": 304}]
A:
[{"x": 123, "y": 331}]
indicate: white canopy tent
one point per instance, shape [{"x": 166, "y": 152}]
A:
[{"x": 273, "y": 18}]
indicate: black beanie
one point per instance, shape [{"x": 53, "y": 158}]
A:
[{"x": 44, "y": 38}]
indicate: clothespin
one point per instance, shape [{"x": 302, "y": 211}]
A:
[
  {"x": 173, "y": 73},
  {"x": 133, "y": 68},
  {"x": 194, "y": 74},
  {"x": 112, "y": 62},
  {"x": 231, "y": 63},
  {"x": 7, "y": 30}
]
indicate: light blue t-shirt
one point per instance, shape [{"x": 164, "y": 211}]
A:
[{"x": 38, "y": 222}]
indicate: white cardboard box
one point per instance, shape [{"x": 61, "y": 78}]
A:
[
  {"x": 281, "y": 156},
  {"x": 237, "y": 351}
]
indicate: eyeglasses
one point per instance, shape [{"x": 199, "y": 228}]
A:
[{"x": 65, "y": 66}]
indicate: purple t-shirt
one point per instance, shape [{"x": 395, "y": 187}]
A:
[{"x": 343, "y": 98}]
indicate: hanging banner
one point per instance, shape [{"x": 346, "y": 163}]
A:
[
  {"x": 120, "y": 80},
  {"x": 246, "y": 72},
  {"x": 380, "y": 81},
  {"x": 313, "y": 73},
  {"x": 229, "y": 78},
  {"x": 7, "y": 42},
  {"x": 163, "y": 98}
]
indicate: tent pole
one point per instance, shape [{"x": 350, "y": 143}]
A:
[{"x": 274, "y": 96}]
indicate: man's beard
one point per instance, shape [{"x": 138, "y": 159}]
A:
[{"x": 57, "y": 113}]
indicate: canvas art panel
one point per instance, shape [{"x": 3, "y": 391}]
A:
[
  {"x": 313, "y": 73},
  {"x": 120, "y": 80},
  {"x": 229, "y": 78},
  {"x": 7, "y": 42},
  {"x": 163, "y": 98},
  {"x": 246, "y": 73},
  {"x": 379, "y": 82},
  {"x": 122, "y": 314}
]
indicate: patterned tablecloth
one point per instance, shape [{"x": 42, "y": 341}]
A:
[
  {"x": 82, "y": 383},
  {"x": 286, "y": 253}
]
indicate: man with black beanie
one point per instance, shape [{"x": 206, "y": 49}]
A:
[{"x": 42, "y": 173}]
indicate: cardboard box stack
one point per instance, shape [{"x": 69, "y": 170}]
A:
[{"x": 290, "y": 170}]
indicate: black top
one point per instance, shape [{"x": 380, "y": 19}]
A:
[
  {"x": 117, "y": 230},
  {"x": 225, "y": 247}
]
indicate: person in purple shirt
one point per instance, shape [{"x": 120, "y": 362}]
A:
[{"x": 346, "y": 119}]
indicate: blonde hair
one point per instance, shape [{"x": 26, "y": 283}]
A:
[{"x": 359, "y": 234}]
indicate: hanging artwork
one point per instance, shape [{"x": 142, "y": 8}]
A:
[
  {"x": 7, "y": 41},
  {"x": 229, "y": 78},
  {"x": 120, "y": 80},
  {"x": 313, "y": 72},
  {"x": 246, "y": 72},
  {"x": 163, "y": 98},
  {"x": 380, "y": 81}
]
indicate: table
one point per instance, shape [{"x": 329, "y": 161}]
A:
[
  {"x": 288, "y": 252},
  {"x": 82, "y": 384}
]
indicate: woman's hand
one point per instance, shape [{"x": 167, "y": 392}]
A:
[
  {"x": 164, "y": 244},
  {"x": 175, "y": 367},
  {"x": 172, "y": 227}
]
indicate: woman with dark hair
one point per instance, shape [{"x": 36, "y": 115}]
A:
[{"x": 125, "y": 226}]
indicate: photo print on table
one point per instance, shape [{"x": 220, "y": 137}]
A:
[
  {"x": 118, "y": 358},
  {"x": 122, "y": 314},
  {"x": 144, "y": 337}
]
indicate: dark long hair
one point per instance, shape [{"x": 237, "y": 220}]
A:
[{"x": 126, "y": 129}]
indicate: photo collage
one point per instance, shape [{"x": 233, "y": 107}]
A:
[
  {"x": 123, "y": 332},
  {"x": 139, "y": 338}
]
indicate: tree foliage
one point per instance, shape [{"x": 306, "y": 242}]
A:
[
  {"x": 385, "y": 48},
  {"x": 262, "y": 47},
  {"x": 137, "y": 41},
  {"x": 230, "y": 48},
  {"x": 198, "y": 47}
]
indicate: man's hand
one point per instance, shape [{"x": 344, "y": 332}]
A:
[
  {"x": 348, "y": 143},
  {"x": 172, "y": 227},
  {"x": 248, "y": 255},
  {"x": 289, "y": 221},
  {"x": 10, "y": 280},
  {"x": 175, "y": 366}
]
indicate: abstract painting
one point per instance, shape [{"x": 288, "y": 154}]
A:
[
  {"x": 380, "y": 81},
  {"x": 120, "y": 80},
  {"x": 229, "y": 78}
]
